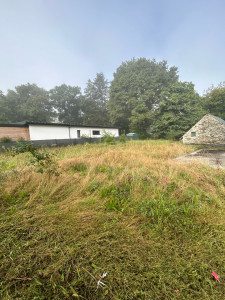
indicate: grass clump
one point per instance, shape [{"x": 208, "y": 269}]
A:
[
  {"x": 5, "y": 139},
  {"x": 80, "y": 167},
  {"x": 118, "y": 195},
  {"x": 153, "y": 224}
]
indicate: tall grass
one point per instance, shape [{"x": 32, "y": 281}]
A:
[{"x": 153, "y": 224}]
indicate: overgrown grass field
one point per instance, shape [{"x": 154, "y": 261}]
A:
[{"x": 154, "y": 225}]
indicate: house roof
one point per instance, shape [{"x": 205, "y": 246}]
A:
[
  {"x": 218, "y": 119},
  {"x": 14, "y": 125},
  {"x": 26, "y": 124}
]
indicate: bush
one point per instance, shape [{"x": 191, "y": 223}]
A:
[
  {"x": 43, "y": 160},
  {"x": 123, "y": 138},
  {"x": 24, "y": 147},
  {"x": 109, "y": 138},
  {"x": 85, "y": 136},
  {"x": 5, "y": 139}
]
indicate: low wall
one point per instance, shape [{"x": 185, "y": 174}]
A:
[{"x": 55, "y": 143}]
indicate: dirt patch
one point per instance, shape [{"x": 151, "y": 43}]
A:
[{"x": 212, "y": 157}]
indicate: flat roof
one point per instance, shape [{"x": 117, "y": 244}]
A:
[
  {"x": 26, "y": 124},
  {"x": 14, "y": 125}
]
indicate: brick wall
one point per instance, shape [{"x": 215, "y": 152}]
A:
[
  {"x": 15, "y": 133},
  {"x": 208, "y": 130}
]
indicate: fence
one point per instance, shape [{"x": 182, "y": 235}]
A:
[{"x": 57, "y": 143}]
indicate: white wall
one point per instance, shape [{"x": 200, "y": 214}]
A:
[
  {"x": 56, "y": 132},
  {"x": 89, "y": 132},
  {"x": 48, "y": 132}
]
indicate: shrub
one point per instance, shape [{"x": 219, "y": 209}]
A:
[
  {"x": 5, "y": 139},
  {"x": 24, "y": 147},
  {"x": 43, "y": 160},
  {"x": 109, "y": 138},
  {"x": 123, "y": 138},
  {"x": 85, "y": 136}
]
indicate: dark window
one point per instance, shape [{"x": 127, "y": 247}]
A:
[
  {"x": 193, "y": 133},
  {"x": 78, "y": 133},
  {"x": 96, "y": 132}
]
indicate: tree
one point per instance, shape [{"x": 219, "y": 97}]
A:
[
  {"x": 214, "y": 100},
  {"x": 67, "y": 102},
  {"x": 3, "y": 109},
  {"x": 95, "y": 102},
  {"x": 140, "y": 119},
  {"x": 137, "y": 86},
  {"x": 178, "y": 112},
  {"x": 28, "y": 102}
]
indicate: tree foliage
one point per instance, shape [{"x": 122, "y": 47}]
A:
[
  {"x": 67, "y": 101},
  {"x": 96, "y": 96},
  {"x": 214, "y": 100},
  {"x": 136, "y": 89},
  {"x": 27, "y": 102},
  {"x": 178, "y": 111},
  {"x": 4, "y": 111},
  {"x": 140, "y": 119}
]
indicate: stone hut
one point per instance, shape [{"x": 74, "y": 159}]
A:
[{"x": 210, "y": 130}]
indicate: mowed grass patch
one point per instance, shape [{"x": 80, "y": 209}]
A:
[{"x": 154, "y": 225}]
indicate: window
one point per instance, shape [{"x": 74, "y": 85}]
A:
[
  {"x": 78, "y": 133},
  {"x": 96, "y": 132},
  {"x": 193, "y": 134}
]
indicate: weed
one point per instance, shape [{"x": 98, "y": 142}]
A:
[
  {"x": 93, "y": 186},
  {"x": 85, "y": 136},
  {"x": 123, "y": 138},
  {"x": 5, "y": 139},
  {"x": 43, "y": 160},
  {"x": 79, "y": 167},
  {"x": 104, "y": 169},
  {"x": 119, "y": 196},
  {"x": 109, "y": 138}
]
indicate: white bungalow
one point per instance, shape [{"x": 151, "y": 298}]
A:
[{"x": 33, "y": 131}]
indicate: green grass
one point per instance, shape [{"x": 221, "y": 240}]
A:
[{"x": 153, "y": 224}]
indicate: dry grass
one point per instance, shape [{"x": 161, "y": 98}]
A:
[{"x": 153, "y": 224}]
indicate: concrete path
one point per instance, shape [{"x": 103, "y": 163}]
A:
[{"x": 212, "y": 157}]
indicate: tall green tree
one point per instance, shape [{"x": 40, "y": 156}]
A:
[
  {"x": 4, "y": 116},
  {"x": 140, "y": 119},
  {"x": 178, "y": 111},
  {"x": 27, "y": 102},
  {"x": 67, "y": 102},
  {"x": 96, "y": 96},
  {"x": 137, "y": 88},
  {"x": 214, "y": 100}
]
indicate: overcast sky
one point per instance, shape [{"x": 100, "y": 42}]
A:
[{"x": 51, "y": 42}]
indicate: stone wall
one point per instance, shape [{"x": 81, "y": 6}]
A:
[
  {"x": 208, "y": 130},
  {"x": 15, "y": 133}
]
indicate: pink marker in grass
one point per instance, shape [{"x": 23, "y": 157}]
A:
[{"x": 215, "y": 276}]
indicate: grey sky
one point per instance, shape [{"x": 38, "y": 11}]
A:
[{"x": 50, "y": 42}]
